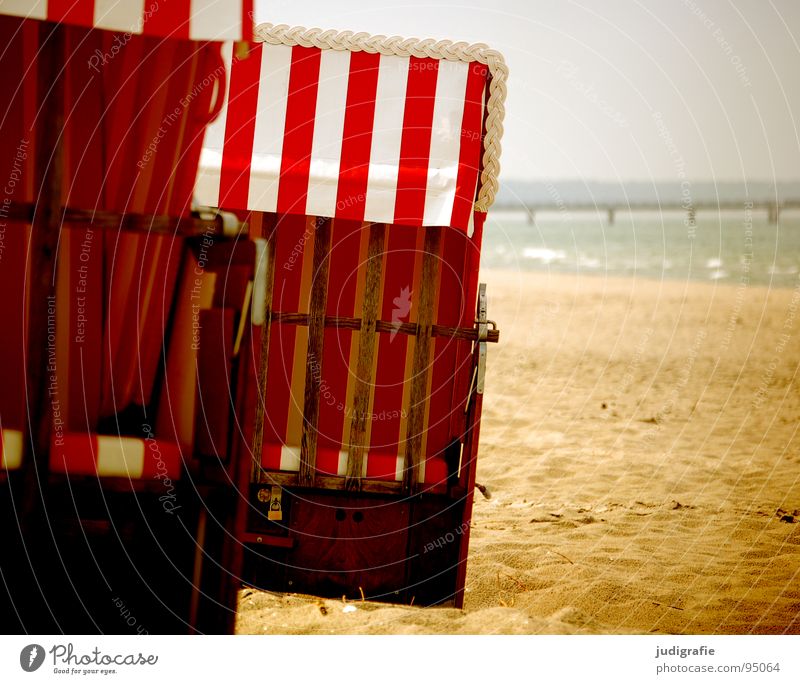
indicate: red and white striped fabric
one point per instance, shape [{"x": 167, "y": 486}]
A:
[
  {"x": 389, "y": 407},
  {"x": 133, "y": 125},
  {"x": 189, "y": 19},
  {"x": 349, "y": 135},
  {"x": 80, "y": 453},
  {"x": 10, "y": 449}
]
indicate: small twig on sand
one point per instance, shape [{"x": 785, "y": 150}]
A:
[
  {"x": 562, "y": 555},
  {"x": 362, "y": 594},
  {"x": 513, "y": 579},
  {"x": 666, "y": 605}
]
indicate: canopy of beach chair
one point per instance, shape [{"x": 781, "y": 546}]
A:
[{"x": 358, "y": 127}]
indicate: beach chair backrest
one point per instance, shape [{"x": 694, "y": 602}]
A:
[{"x": 425, "y": 284}]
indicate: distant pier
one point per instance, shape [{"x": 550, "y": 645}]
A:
[{"x": 771, "y": 209}]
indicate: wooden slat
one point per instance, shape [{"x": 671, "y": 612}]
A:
[
  {"x": 470, "y": 334},
  {"x": 418, "y": 398},
  {"x": 316, "y": 340},
  {"x": 365, "y": 380},
  {"x": 337, "y": 483},
  {"x": 351, "y": 323},
  {"x": 110, "y": 220},
  {"x": 333, "y": 482},
  {"x": 269, "y": 231}
]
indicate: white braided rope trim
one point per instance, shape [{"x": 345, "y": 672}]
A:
[{"x": 282, "y": 34}]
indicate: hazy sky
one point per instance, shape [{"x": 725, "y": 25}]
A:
[{"x": 618, "y": 89}]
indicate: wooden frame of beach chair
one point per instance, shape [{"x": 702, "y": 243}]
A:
[{"x": 361, "y": 405}]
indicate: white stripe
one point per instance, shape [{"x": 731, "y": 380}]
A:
[
  {"x": 25, "y": 8},
  {"x": 259, "y": 306},
  {"x": 12, "y": 449},
  {"x": 273, "y": 92},
  {"x": 290, "y": 458},
  {"x": 448, "y": 113},
  {"x": 120, "y": 456},
  {"x": 326, "y": 148},
  {"x": 119, "y": 15},
  {"x": 384, "y": 161},
  {"x": 399, "y": 467},
  {"x": 471, "y": 223},
  {"x": 215, "y": 20}
]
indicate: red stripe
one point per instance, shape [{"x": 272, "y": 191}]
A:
[
  {"x": 165, "y": 70},
  {"x": 473, "y": 267},
  {"x": 73, "y": 452},
  {"x": 357, "y": 136},
  {"x": 382, "y": 466},
  {"x": 248, "y": 19},
  {"x": 168, "y": 18},
  {"x": 299, "y": 130},
  {"x": 79, "y": 12},
  {"x": 469, "y": 161},
  {"x": 152, "y": 331},
  {"x": 31, "y": 31},
  {"x": 327, "y": 460},
  {"x": 123, "y": 256},
  {"x": 183, "y": 121},
  {"x": 470, "y": 276},
  {"x": 448, "y": 365},
  {"x": 240, "y": 126},
  {"x": 212, "y": 67},
  {"x": 83, "y": 166},
  {"x": 271, "y": 455},
  {"x": 159, "y": 455},
  {"x": 123, "y": 82},
  {"x": 289, "y": 255},
  {"x": 344, "y": 266},
  {"x": 391, "y": 370},
  {"x": 415, "y": 147},
  {"x": 435, "y": 472},
  {"x": 84, "y": 337},
  {"x": 13, "y": 269}
]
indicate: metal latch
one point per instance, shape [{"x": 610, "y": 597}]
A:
[
  {"x": 483, "y": 335},
  {"x": 274, "y": 500}
]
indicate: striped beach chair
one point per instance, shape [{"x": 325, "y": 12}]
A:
[
  {"x": 366, "y": 165},
  {"x": 107, "y": 107}
]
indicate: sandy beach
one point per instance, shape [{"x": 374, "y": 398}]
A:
[{"x": 640, "y": 440}]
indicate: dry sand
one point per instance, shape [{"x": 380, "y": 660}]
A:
[{"x": 641, "y": 442}]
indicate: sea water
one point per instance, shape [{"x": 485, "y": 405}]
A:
[{"x": 729, "y": 247}]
